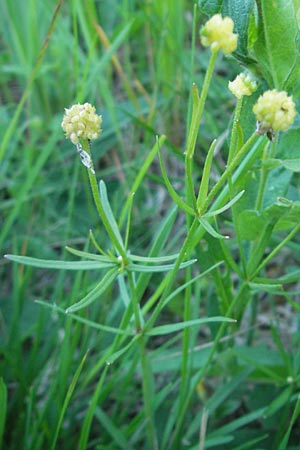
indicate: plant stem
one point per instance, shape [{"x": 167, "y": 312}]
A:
[
  {"x": 98, "y": 203},
  {"x": 196, "y": 117}
]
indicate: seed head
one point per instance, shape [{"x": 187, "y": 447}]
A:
[
  {"x": 81, "y": 122},
  {"x": 218, "y": 34},
  {"x": 275, "y": 111}
]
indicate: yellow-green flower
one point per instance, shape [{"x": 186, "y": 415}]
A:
[
  {"x": 218, "y": 34},
  {"x": 81, "y": 122},
  {"x": 242, "y": 85},
  {"x": 274, "y": 111}
]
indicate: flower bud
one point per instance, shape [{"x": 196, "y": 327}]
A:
[
  {"x": 218, "y": 34},
  {"x": 242, "y": 85},
  {"x": 274, "y": 111},
  {"x": 81, "y": 122}
]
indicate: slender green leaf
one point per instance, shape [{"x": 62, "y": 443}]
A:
[
  {"x": 87, "y": 322},
  {"x": 166, "y": 268},
  {"x": 64, "y": 265},
  {"x": 101, "y": 287},
  {"x": 225, "y": 207},
  {"x": 153, "y": 259},
  {"x": 173, "y": 328},
  {"x": 90, "y": 256},
  {"x": 67, "y": 400},
  {"x": 173, "y": 194},
  {"x": 206, "y": 176},
  {"x": 109, "y": 214},
  {"x": 210, "y": 230}
]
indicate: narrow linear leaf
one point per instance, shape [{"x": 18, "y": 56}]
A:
[
  {"x": 87, "y": 322},
  {"x": 173, "y": 328},
  {"x": 140, "y": 176},
  {"x": 67, "y": 400},
  {"x": 88, "y": 255},
  {"x": 165, "y": 268},
  {"x": 225, "y": 207},
  {"x": 205, "y": 176},
  {"x": 173, "y": 194},
  {"x": 207, "y": 226},
  {"x": 109, "y": 214},
  {"x": 64, "y": 265},
  {"x": 106, "y": 281},
  {"x": 153, "y": 259},
  {"x": 121, "y": 352}
]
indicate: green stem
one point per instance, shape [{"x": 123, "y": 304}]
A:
[
  {"x": 196, "y": 117},
  {"x": 98, "y": 203},
  {"x": 263, "y": 179},
  {"x": 233, "y": 143}
]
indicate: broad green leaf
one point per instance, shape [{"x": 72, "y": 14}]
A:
[
  {"x": 289, "y": 164},
  {"x": 250, "y": 223},
  {"x": 284, "y": 216},
  {"x": 174, "y": 327},
  {"x": 64, "y": 265},
  {"x": 240, "y": 11},
  {"x": 289, "y": 145},
  {"x": 277, "y": 45},
  {"x": 95, "y": 293},
  {"x": 109, "y": 214},
  {"x": 210, "y": 7},
  {"x": 165, "y": 268}
]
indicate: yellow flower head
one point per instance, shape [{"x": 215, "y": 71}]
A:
[
  {"x": 275, "y": 111},
  {"x": 242, "y": 85},
  {"x": 218, "y": 34},
  {"x": 81, "y": 122}
]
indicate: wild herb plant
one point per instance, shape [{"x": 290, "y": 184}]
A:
[{"x": 149, "y": 383}]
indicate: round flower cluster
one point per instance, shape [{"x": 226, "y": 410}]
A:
[
  {"x": 275, "y": 111},
  {"x": 81, "y": 122},
  {"x": 242, "y": 85},
  {"x": 218, "y": 34}
]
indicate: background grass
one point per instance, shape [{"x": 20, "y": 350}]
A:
[{"x": 134, "y": 61}]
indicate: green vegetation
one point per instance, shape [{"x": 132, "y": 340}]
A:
[{"x": 150, "y": 296}]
